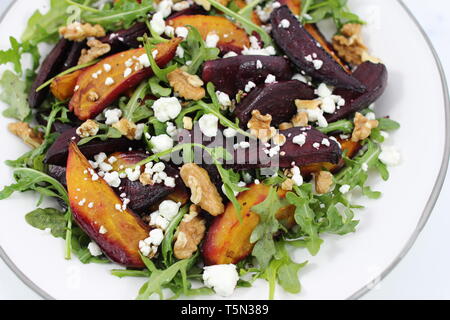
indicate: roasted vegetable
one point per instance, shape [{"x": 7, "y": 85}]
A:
[
  {"x": 63, "y": 87},
  {"x": 228, "y": 239},
  {"x": 232, "y": 38},
  {"x": 303, "y": 50},
  {"x": 51, "y": 66},
  {"x": 276, "y": 99},
  {"x": 73, "y": 55},
  {"x": 57, "y": 153},
  {"x": 95, "y": 206},
  {"x": 96, "y": 93},
  {"x": 125, "y": 39},
  {"x": 374, "y": 77},
  {"x": 232, "y": 74}
]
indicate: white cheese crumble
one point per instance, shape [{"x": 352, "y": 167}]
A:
[
  {"x": 107, "y": 67},
  {"x": 229, "y": 133},
  {"x": 109, "y": 81},
  {"x": 284, "y": 24},
  {"x": 157, "y": 23},
  {"x": 259, "y": 64},
  {"x": 222, "y": 278},
  {"x": 390, "y": 156},
  {"x": 300, "y": 139},
  {"x": 166, "y": 108},
  {"x": 169, "y": 31},
  {"x": 112, "y": 179},
  {"x": 103, "y": 230},
  {"x": 182, "y": 32},
  {"x": 169, "y": 209},
  {"x": 297, "y": 176},
  {"x": 165, "y": 8},
  {"x": 212, "y": 40},
  {"x": 94, "y": 249},
  {"x": 270, "y": 79},
  {"x": 209, "y": 125},
  {"x": 344, "y": 189},
  {"x": 230, "y": 54},
  {"x": 161, "y": 143},
  {"x": 224, "y": 99},
  {"x": 249, "y": 86}
]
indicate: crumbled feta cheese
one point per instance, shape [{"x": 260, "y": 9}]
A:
[
  {"x": 112, "y": 116},
  {"x": 390, "y": 156},
  {"x": 127, "y": 72},
  {"x": 209, "y": 125},
  {"x": 144, "y": 60},
  {"x": 161, "y": 143},
  {"x": 109, "y": 81},
  {"x": 284, "y": 24},
  {"x": 222, "y": 278},
  {"x": 324, "y": 91},
  {"x": 344, "y": 189},
  {"x": 249, "y": 86},
  {"x": 300, "y": 139},
  {"x": 165, "y": 8},
  {"x": 139, "y": 131},
  {"x": 229, "y": 133},
  {"x": 180, "y": 52},
  {"x": 156, "y": 237},
  {"x": 224, "y": 99},
  {"x": 157, "y": 23},
  {"x": 212, "y": 40},
  {"x": 133, "y": 174},
  {"x": 365, "y": 167},
  {"x": 171, "y": 129},
  {"x": 297, "y": 176},
  {"x": 94, "y": 249},
  {"x": 103, "y": 230},
  {"x": 326, "y": 142},
  {"x": 112, "y": 179},
  {"x": 179, "y": 6},
  {"x": 169, "y": 31},
  {"x": 169, "y": 182},
  {"x": 328, "y": 105},
  {"x": 107, "y": 67},
  {"x": 182, "y": 32},
  {"x": 268, "y": 51},
  {"x": 270, "y": 79},
  {"x": 230, "y": 54},
  {"x": 259, "y": 64},
  {"x": 169, "y": 209},
  {"x": 166, "y": 108}
]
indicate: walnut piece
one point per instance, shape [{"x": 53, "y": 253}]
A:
[
  {"x": 300, "y": 119},
  {"x": 324, "y": 181},
  {"x": 97, "y": 49},
  {"x": 279, "y": 139},
  {"x": 350, "y": 46},
  {"x": 146, "y": 179},
  {"x": 307, "y": 104},
  {"x": 189, "y": 234},
  {"x": 92, "y": 96},
  {"x": 186, "y": 85},
  {"x": 23, "y": 130},
  {"x": 126, "y": 128},
  {"x": 203, "y": 191},
  {"x": 287, "y": 185},
  {"x": 285, "y": 126},
  {"x": 259, "y": 126},
  {"x": 187, "y": 123},
  {"x": 363, "y": 127},
  {"x": 78, "y": 32},
  {"x": 88, "y": 129}
]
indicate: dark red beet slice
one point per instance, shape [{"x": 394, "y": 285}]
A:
[
  {"x": 49, "y": 68},
  {"x": 298, "y": 44},
  {"x": 126, "y": 38},
  {"x": 58, "y": 173},
  {"x": 230, "y": 75},
  {"x": 192, "y": 10},
  {"x": 276, "y": 99},
  {"x": 58, "y": 152},
  {"x": 318, "y": 147},
  {"x": 375, "y": 77},
  {"x": 73, "y": 55}
]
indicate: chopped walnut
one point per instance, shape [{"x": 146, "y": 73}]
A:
[
  {"x": 146, "y": 179},
  {"x": 78, "y": 32},
  {"x": 126, "y": 128},
  {"x": 189, "y": 234},
  {"x": 285, "y": 126},
  {"x": 279, "y": 139},
  {"x": 186, "y": 85},
  {"x": 92, "y": 96},
  {"x": 307, "y": 104},
  {"x": 97, "y": 49},
  {"x": 349, "y": 45},
  {"x": 88, "y": 129},
  {"x": 300, "y": 119},
  {"x": 23, "y": 130},
  {"x": 203, "y": 191},
  {"x": 259, "y": 126},
  {"x": 287, "y": 185},
  {"x": 187, "y": 123},
  {"x": 363, "y": 127},
  {"x": 324, "y": 181}
]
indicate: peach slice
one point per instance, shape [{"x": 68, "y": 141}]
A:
[
  {"x": 228, "y": 239},
  {"x": 104, "y": 82},
  {"x": 93, "y": 205},
  {"x": 63, "y": 87},
  {"x": 231, "y": 36}
]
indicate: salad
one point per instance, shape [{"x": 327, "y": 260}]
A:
[{"x": 196, "y": 142}]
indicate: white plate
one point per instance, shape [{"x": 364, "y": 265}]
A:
[{"x": 346, "y": 267}]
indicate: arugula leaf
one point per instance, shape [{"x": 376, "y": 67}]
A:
[
  {"x": 135, "y": 101},
  {"x": 48, "y": 218},
  {"x": 13, "y": 94},
  {"x": 107, "y": 133},
  {"x": 344, "y": 126},
  {"x": 263, "y": 234},
  {"x": 167, "y": 244},
  {"x": 160, "y": 73},
  {"x": 195, "y": 48},
  {"x": 158, "y": 90}
]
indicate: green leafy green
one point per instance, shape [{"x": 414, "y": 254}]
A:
[
  {"x": 13, "y": 94},
  {"x": 48, "y": 218},
  {"x": 196, "y": 51},
  {"x": 167, "y": 244}
]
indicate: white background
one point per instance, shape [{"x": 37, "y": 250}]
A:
[{"x": 423, "y": 273}]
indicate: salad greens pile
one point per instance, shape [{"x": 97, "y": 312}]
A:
[{"x": 315, "y": 215}]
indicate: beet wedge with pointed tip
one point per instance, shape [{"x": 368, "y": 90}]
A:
[
  {"x": 93, "y": 205},
  {"x": 303, "y": 50}
]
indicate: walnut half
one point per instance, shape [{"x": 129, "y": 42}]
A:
[
  {"x": 26, "y": 133},
  {"x": 97, "y": 49},
  {"x": 186, "y": 85},
  {"x": 324, "y": 181},
  {"x": 189, "y": 234},
  {"x": 203, "y": 191},
  {"x": 78, "y": 32},
  {"x": 259, "y": 126},
  {"x": 363, "y": 127}
]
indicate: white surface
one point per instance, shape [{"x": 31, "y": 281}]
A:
[{"x": 415, "y": 277}]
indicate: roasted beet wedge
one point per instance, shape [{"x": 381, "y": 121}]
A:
[
  {"x": 142, "y": 197},
  {"x": 276, "y": 99},
  {"x": 303, "y": 50},
  {"x": 125, "y": 39},
  {"x": 317, "y": 147},
  {"x": 73, "y": 55},
  {"x": 52, "y": 64},
  {"x": 375, "y": 77},
  {"x": 192, "y": 10},
  {"x": 57, "y": 153},
  {"x": 230, "y": 75},
  {"x": 95, "y": 205}
]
